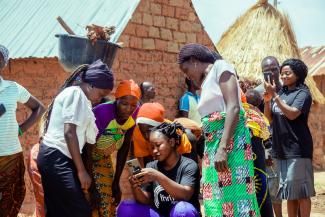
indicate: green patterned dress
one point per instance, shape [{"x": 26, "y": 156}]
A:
[{"x": 230, "y": 193}]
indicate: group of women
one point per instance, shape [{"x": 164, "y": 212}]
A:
[{"x": 80, "y": 135}]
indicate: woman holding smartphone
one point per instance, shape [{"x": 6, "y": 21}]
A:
[
  {"x": 168, "y": 186},
  {"x": 288, "y": 112}
]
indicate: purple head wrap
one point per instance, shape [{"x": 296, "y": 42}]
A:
[{"x": 99, "y": 76}]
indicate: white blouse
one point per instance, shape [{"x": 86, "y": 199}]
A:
[
  {"x": 211, "y": 96},
  {"x": 71, "y": 106}
]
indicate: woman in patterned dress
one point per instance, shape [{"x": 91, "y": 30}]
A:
[
  {"x": 115, "y": 121},
  {"x": 227, "y": 165}
]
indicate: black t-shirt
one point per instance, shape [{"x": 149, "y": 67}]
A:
[
  {"x": 185, "y": 172},
  {"x": 292, "y": 138}
]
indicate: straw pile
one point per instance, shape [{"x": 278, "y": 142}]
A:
[{"x": 262, "y": 31}]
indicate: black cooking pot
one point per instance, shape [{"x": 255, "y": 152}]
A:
[{"x": 76, "y": 50}]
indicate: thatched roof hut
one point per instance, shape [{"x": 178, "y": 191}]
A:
[{"x": 262, "y": 31}]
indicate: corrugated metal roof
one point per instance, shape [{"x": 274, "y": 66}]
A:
[
  {"x": 314, "y": 57},
  {"x": 28, "y": 27}
]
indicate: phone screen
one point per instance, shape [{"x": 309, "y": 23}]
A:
[
  {"x": 134, "y": 166},
  {"x": 268, "y": 77}
]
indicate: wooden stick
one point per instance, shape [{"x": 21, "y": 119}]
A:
[{"x": 65, "y": 26}]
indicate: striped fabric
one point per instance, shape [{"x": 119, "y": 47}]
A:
[{"x": 10, "y": 94}]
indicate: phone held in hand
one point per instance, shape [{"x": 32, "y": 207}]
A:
[
  {"x": 134, "y": 166},
  {"x": 268, "y": 77},
  {"x": 2, "y": 109}
]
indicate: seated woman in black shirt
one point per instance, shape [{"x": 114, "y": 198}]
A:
[
  {"x": 168, "y": 186},
  {"x": 292, "y": 142}
]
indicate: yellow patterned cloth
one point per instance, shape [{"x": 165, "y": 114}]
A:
[
  {"x": 256, "y": 121},
  {"x": 103, "y": 174}
]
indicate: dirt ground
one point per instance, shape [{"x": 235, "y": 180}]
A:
[{"x": 318, "y": 202}]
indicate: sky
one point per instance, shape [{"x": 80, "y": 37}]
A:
[{"x": 307, "y": 17}]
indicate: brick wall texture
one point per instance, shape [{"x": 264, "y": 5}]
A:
[{"x": 151, "y": 40}]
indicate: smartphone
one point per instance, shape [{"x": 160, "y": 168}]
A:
[
  {"x": 268, "y": 77},
  {"x": 134, "y": 166},
  {"x": 2, "y": 109}
]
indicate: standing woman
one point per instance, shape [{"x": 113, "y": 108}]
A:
[
  {"x": 12, "y": 169},
  {"x": 115, "y": 121},
  {"x": 227, "y": 164},
  {"x": 292, "y": 142},
  {"x": 69, "y": 124}
]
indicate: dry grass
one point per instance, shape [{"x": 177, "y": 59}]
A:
[{"x": 262, "y": 31}]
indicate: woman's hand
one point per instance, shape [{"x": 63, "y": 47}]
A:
[
  {"x": 270, "y": 88},
  {"x": 135, "y": 183},
  {"x": 221, "y": 158},
  {"x": 147, "y": 175},
  {"x": 84, "y": 179},
  {"x": 267, "y": 97},
  {"x": 116, "y": 192}
]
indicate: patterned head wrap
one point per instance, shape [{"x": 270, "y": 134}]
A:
[
  {"x": 5, "y": 53},
  {"x": 197, "y": 51}
]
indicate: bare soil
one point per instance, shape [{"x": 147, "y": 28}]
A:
[{"x": 318, "y": 202}]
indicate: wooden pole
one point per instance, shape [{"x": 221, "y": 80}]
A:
[{"x": 65, "y": 26}]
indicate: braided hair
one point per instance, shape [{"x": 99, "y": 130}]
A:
[
  {"x": 171, "y": 131},
  {"x": 74, "y": 79}
]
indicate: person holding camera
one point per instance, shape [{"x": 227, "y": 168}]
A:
[
  {"x": 168, "y": 186},
  {"x": 271, "y": 70},
  {"x": 12, "y": 169},
  {"x": 288, "y": 112}
]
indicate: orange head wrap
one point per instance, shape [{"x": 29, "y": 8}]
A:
[
  {"x": 151, "y": 113},
  {"x": 127, "y": 88}
]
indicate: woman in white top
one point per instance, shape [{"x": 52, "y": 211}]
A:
[
  {"x": 69, "y": 124},
  {"x": 227, "y": 164}
]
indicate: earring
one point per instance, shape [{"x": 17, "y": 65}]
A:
[{"x": 194, "y": 65}]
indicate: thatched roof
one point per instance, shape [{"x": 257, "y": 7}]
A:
[{"x": 262, "y": 31}]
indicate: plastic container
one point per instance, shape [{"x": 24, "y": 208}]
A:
[{"x": 76, "y": 50}]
